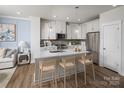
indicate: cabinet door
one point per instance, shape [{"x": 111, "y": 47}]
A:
[
  {"x": 48, "y": 30},
  {"x": 44, "y": 30},
  {"x": 60, "y": 27},
  {"x": 52, "y": 31},
  {"x": 69, "y": 31},
  {"x": 84, "y": 31},
  {"x": 95, "y": 25},
  {"x": 89, "y": 27},
  {"x": 74, "y": 31}
]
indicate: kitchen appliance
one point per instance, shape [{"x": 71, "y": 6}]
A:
[
  {"x": 93, "y": 43},
  {"x": 60, "y": 36}
]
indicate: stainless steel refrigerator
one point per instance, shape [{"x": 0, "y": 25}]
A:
[{"x": 93, "y": 44}]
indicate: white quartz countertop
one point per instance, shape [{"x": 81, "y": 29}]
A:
[{"x": 47, "y": 54}]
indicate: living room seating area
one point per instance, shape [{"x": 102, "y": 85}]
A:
[{"x": 8, "y": 58}]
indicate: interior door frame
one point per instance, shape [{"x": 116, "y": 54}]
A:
[{"x": 119, "y": 22}]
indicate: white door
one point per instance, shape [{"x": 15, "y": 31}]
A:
[{"x": 112, "y": 46}]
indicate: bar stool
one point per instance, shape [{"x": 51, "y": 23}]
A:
[
  {"x": 87, "y": 59},
  {"x": 68, "y": 63},
  {"x": 48, "y": 67}
]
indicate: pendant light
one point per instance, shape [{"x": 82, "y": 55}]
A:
[{"x": 76, "y": 13}]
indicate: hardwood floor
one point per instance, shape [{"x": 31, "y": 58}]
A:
[{"x": 23, "y": 78}]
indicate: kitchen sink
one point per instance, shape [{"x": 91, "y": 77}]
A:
[{"x": 56, "y": 51}]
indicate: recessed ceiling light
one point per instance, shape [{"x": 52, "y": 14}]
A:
[
  {"x": 54, "y": 16},
  {"x": 79, "y": 19},
  {"x": 76, "y": 31},
  {"x": 18, "y": 12},
  {"x": 67, "y": 18},
  {"x": 114, "y": 5}
]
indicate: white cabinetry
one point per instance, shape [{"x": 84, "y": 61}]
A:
[
  {"x": 73, "y": 31},
  {"x": 93, "y": 26},
  {"x": 89, "y": 27},
  {"x": 44, "y": 29},
  {"x": 60, "y": 27},
  {"x": 76, "y": 32},
  {"x": 69, "y": 31},
  {"x": 83, "y": 31},
  {"x": 50, "y": 28}
]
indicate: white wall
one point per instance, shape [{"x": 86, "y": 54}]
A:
[
  {"x": 35, "y": 37},
  {"x": 108, "y": 17}
]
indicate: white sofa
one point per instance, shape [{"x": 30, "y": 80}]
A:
[{"x": 8, "y": 62}]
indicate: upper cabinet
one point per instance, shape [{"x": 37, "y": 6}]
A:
[
  {"x": 73, "y": 31},
  {"x": 44, "y": 30},
  {"x": 60, "y": 27},
  {"x": 93, "y": 26},
  {"x": 83, "y": 30},
  {"x": 69, "y": 27},
  {"x": 96, "y": 25},
  {"x": 50, "y": 28}
]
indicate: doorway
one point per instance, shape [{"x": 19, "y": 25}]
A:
[{"x": 112, "y": 45}]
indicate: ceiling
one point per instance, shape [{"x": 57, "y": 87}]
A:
[{"x": 84, "y": 12}]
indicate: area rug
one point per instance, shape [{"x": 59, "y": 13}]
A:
[{"x": 5, "y": 76}]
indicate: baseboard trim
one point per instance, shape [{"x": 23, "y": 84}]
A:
[{"x": 122, "y": 74}]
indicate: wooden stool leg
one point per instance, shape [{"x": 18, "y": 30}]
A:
[
  {"x": 55, "y": 79},
  {"x": 64, "y": 78},
  {"x": 85, "y": 79},
  {"x": 93, "y": 71},
  {"x": 76, "y": 77},
  {"x": 59, "y": 74},
  {"x": 41, "y": 74}
]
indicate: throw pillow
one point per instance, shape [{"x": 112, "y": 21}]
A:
[
  {"x": 2, "y": 52},
  {"x": 10, "y": 52}
]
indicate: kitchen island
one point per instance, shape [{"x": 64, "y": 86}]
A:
[{"x": 54, "y": 54}]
